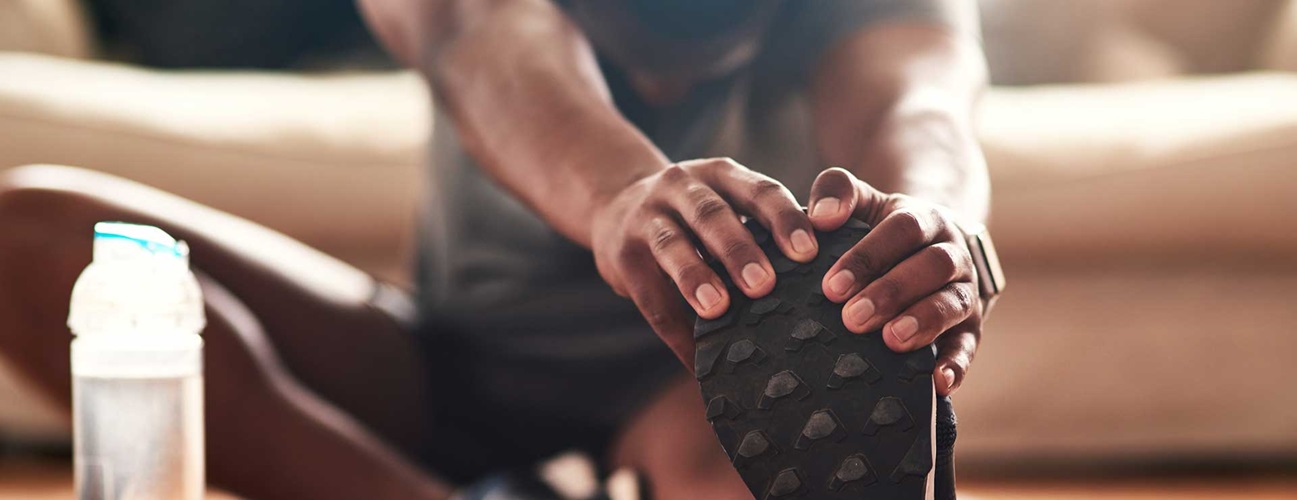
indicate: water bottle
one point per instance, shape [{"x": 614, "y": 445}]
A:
[{"x": 137, "y": 390}]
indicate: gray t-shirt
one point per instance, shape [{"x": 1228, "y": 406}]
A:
[{"x": 541, "y": 327}]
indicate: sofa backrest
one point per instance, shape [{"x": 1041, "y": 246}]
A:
[{"x": 1048, "y": 41}]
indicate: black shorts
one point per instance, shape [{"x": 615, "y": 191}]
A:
[{"x": 498, "y": 406}]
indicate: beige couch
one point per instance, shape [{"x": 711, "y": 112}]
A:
[{"x": 1146, "y": 227}]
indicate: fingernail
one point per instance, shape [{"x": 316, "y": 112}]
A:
[
  {"x": 755, "y": 275},
  {"x": 904, "y": 328},
  {"x": 707, "y": 296},
  {"x": 802, "y": 242},
  {"x": 861, "y": 311},
  {"x": 950, "y": 377},
  {"x": 825, "y": 207},
  {"x": 841, "y": 282}
]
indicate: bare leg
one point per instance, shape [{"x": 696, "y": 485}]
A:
[
  {"x": 300, "y": 320},
  {"x": 671, "y": 444}
]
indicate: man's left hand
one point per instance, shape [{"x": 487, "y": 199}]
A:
[{"x": 912, "y": 276}]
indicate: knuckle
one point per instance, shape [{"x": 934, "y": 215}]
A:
[
  {"x": 695, "y": 193},
  {"x": 675, "y": 174},
  {"x": 709, "y": 208},
  {"x": 713, "y": 166},
  {"x": 909, "y": 224},
  {"x": 792, "y": 217},
  {"x": 944, "y": 216},
  {"x": 657, "y": 318},
  {"x": 609, "y": 275},
  {"x": 766, "y": 188},
  {"x": 887, "y": 292},
  {"x": 963, "y": 298},
  {"x": 933, "y": 213},
  {"x": 625, "y": 256},
  {"x": 693, "y": 272},
  {"x": 946, "y": 259},
  {"x": 663, "y": 238},
  {"x": 736, "y": 249},
  {"x": 861, "y": 261},
  {"x": 725, "y": 163}
]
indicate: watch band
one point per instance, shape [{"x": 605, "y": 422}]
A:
[{"x": 990, "y": 276}]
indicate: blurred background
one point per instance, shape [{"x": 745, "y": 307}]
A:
[{"x": 1144, "y": 164}]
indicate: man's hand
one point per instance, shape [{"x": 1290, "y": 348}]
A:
[
  {"x": 912, "y": 275},
  {"x": 653, "y": 233}
]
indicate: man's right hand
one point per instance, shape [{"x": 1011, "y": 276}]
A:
[{"x": 655, "y": 231}]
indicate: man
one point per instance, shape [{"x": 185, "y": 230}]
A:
[{"x": 583, "y": 153}]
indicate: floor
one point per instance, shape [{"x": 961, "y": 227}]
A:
[
  {"x": 1132, "y": 489},
  {"x": 31, "y": 480},
  {"x": 44, "y": 480}
]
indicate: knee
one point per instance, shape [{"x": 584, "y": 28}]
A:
[
  {"x": 47, "y": 217},
  {"x": 48, "y": 211},
  {"x": 36, "y": 198},
  {"x": 39, "y": 216}
]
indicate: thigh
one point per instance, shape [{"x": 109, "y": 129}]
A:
[{"x": 316, "y": 312}]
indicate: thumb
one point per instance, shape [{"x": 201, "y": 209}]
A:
[{"x": 836, "y": 195}]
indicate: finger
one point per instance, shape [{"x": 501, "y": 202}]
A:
[
  {"x": 955, "y": 351},
  {"x": 661, "y": 306},
  {"x": 833, "y": 199},
  {"x": 717, "y": 227},
  {"x": 898, "y": 236},
  {"x": 837, "y": 195},
  {"x": 676, "y": 255},
  {"x": 921, "y": 323},
  {"x": 916, "y": 277},
  {"x": 770, "y": 203}
]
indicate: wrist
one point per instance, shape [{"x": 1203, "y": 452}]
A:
[
  {"x": 605, "y": 168},
  {"x": 990, "y": 276},
  {"x": 613, "y": 166}
]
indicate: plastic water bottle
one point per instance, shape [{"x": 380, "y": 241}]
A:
[{"x": 137, "y": 390}]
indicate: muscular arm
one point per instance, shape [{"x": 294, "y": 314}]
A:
[
  {"x": 528, "y": 100},
  {"x": 894, "y": 106}
]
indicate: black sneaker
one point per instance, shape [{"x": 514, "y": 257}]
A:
[{"x": 806, "y": 409}]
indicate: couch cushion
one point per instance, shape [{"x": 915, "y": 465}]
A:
[
  {"x": 349, "y": 147},
  {"x": 1108, "y": 363},
  {"x": 1161, "y": 170}
]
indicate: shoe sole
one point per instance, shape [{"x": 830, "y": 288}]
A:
[{"x": 803, "y": 407}]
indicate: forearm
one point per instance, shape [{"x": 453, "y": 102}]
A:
[
  {"x": 522, "y": 86},
  {"x": 895, "y": 106},
  {"x": 925, "y": 143}
]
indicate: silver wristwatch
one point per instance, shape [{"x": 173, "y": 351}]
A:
[{"x": 990, "y": 276}]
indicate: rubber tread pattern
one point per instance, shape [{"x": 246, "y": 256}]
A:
[{"x": 803, "y": 407}]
